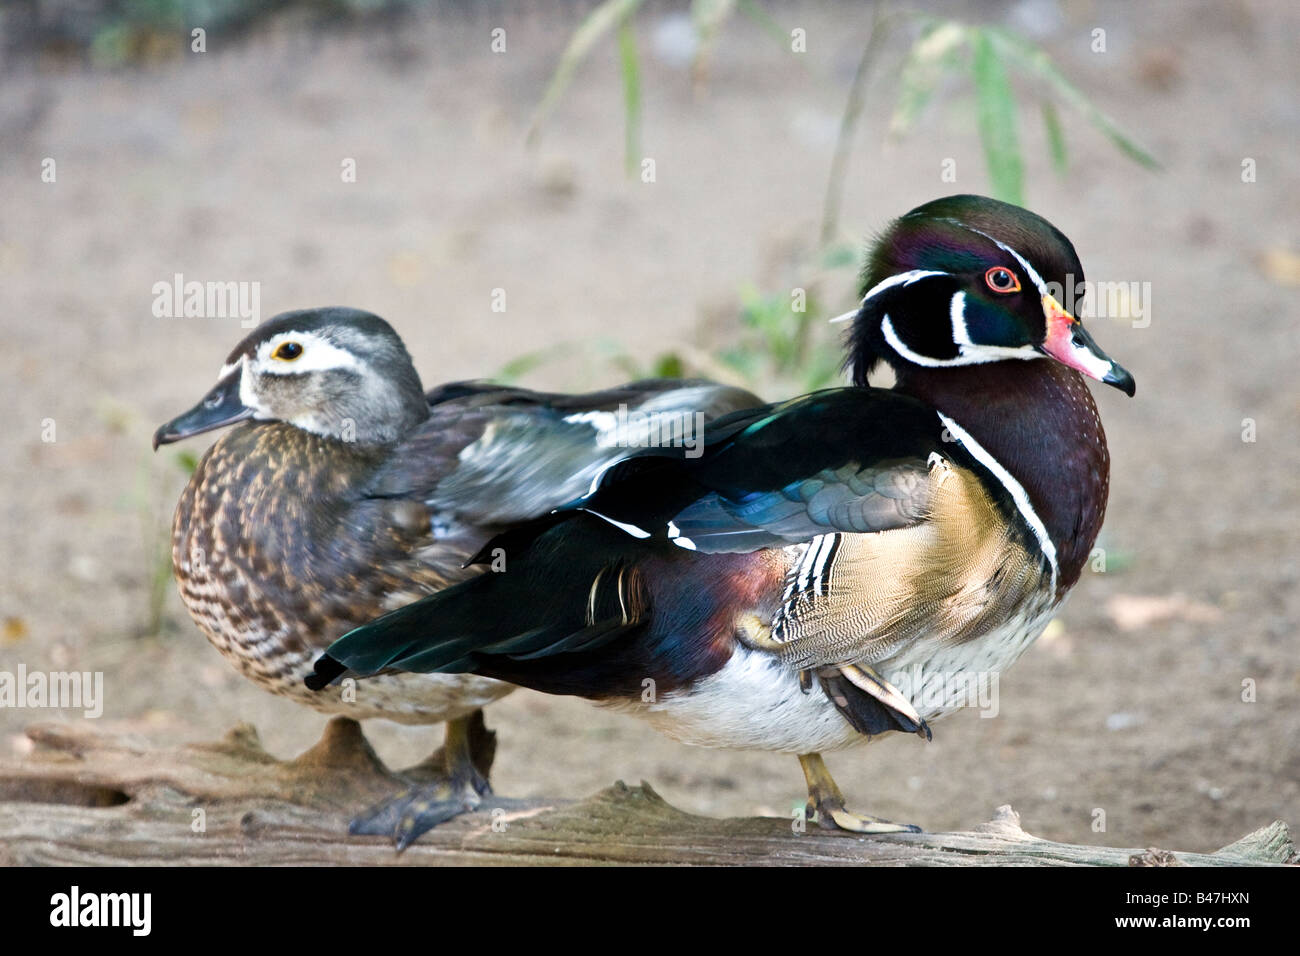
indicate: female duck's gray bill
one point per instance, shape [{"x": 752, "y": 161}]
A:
[{"x": 219, "y": 407}]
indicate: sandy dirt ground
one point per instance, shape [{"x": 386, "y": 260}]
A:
[{"x": 226, "y": 165}]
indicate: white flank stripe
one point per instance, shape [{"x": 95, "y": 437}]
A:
[
  {"x": 820, "y": 575},
  {"x": 631, "y": 529},
  {"x": 823, "y": 553},
  {"x": 806, "y": 562},
  {"x": 601, "y": 421},
  {"x": 1013, "y": 487},
  {"x": 599, "y": 475}
]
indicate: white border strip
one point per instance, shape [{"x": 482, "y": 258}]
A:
[{"x": 1013, "y": 487}]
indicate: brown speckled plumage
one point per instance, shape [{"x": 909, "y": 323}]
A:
[{"x": 278, "y": 551}]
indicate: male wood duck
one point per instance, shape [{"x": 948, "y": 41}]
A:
[
  {"x": 345, "y": 491},
  {"x": 823, "y": 572}
]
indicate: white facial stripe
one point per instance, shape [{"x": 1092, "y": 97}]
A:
[
  {"x": 1013, "y": 488},
  {"x": 1033, "y": 273},
  {"x": 1024, "y": 263},
  {"x": 957, "y": 313},
  {"x": 903, "y": 278},
  {"x": 895, "y": 343},
  {"x": 978, "y": 352},
  {"x": 228, "y": 369},
  {"x": 969, "y": 353},
  {"x": 318, "y": 355}
]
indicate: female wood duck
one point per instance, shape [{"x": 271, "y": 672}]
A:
[
  {"x": 833, "y": 567},
  {"x": 345, "y": 491}
]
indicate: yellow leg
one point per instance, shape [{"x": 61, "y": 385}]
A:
[{"x": 825, "y": 798}]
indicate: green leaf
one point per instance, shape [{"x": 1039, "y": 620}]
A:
[
  {"x": 187, "y": 461},
  {"x": 708, "y": 16},
  {"x": 840, "y": 255},
  {"x": 996, "y": 113},
  {"x": 631, "y": 96},
  {"x": 594, "y": 26},
  {"x": 521, "y": 365},
  {"x": 1055, "y": 137},
  {"x": 935, "y": 53},
  {"x": 741, "y": 358},
  {"x": 1033, "y": 60},
  {"x": 823, "y": 368},
  {"x": 764, "y": 20},
  {"x": 669, "y": 365}
]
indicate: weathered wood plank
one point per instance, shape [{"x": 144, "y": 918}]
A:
[{"x": 86, "y": 798}]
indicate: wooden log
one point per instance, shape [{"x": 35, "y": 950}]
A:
[{"x": 85, "y": 797}]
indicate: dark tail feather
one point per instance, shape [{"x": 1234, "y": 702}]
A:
[
  {"x": 556, "y": 597},
  {"x": 326, "y": 671}
]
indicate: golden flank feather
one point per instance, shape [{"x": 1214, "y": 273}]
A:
[{"x": 955, "y": 575}]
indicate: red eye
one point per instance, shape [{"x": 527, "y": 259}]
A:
[{"x": 1002, "y": 280}]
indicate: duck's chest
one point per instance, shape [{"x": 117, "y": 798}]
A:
[
  {"x": 257, "y": 576},
  {"x": 272, "y": 576}
]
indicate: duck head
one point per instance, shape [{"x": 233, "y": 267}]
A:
[
  {"x": 968, "y": 280},
  {"x": 339, "y": 373}
]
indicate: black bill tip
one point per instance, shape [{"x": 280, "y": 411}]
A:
[{"x": 1121, "y": 379}]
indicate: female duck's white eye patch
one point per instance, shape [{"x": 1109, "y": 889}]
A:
[{"x": 292, "y": 353}]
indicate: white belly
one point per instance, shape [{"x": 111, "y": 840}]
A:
[{"x": 755, "y": 703}]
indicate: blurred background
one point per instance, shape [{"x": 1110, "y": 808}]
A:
[{"x": 648, "y": 187}]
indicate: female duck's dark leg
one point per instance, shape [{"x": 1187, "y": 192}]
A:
[
  {"x": 825, "y": 798},
  {"x": 457, "y": 781}
]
